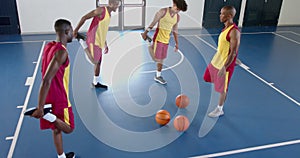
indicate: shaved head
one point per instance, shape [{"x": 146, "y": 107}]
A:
[{"x": 230, "y": 10}]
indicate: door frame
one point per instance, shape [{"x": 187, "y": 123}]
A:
[{"x": 121, "y": 16}]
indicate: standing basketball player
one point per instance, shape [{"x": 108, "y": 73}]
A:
[
  {"x": 221, "y": 67},
  {"x": 96, "y": 36},
  {"x": 167, "y": 19},
  {"x": 54, "y": 87}
]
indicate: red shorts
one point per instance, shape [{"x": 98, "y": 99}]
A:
[
  {"x": 220, "y": 83},
  {"x": 160, "y": 50},
  {"x": 64, "y": 113},
  {"x": 95, "y": 51}
]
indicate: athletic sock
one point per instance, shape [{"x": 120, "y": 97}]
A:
[
  {"x": 49, "y": 117},
  {"x": 83, "y": 44},
  {"x": 99, "y": 79},
  {"x": 220, "y": 107},
  {"x": 63, "y": 155},
  {"x": 96, "y": 80},
  {"x": 158, "y": 73}
]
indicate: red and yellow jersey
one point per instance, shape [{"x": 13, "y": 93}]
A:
[
  {"x": 223, "y": 50},
  {"x": 59, "y": 88},
  {"x": 165, "y": 26},
  {"x": 98, "y": 29}
]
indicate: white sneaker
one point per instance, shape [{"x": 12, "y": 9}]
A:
[{"x": 216, "y": 113}]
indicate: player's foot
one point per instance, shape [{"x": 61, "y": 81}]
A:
[
  {"x": 80, "y": 36},
  {"x": 70, "y": 155},
  {"x": 216, "y": 113},
  {"x": 99, "y": 85},
  {"x": 160, "y": 80},
  {"x": 47, "y": 109},
  {"x": 149, "y": 39}
]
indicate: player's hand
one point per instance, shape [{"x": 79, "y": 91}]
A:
[
  {"x": 144, "y": 36},
  {"x": 106, "y": 50},
  {"x": 222, "y": 72},
  {"x": 38, "y": 113},
  {"x": 176, "y": 48}
]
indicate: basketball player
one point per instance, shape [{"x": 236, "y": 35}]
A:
[
  {"x": 54, "y": 87},
  {"x": 221, "y": 67},
  {"x": 167, "y": 19},
  {"x": 96, "y": 36}
]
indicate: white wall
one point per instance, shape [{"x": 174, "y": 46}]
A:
[
  {"x": 289, "y": 13},
  {"x": 192, "y": 18},
  {"x": 38, "y": 16}
]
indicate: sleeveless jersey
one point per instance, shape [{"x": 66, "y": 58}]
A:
[
  {"x": 223, "y": 50},
  {"x": 165, "y": 26},
  {"x": 98, "y": 29},
  {"x": 59, "y": 88}
]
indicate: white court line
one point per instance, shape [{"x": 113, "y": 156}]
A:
[
  {"x": 13, "y": 42},
  {"x": 248, "y": 69},
  {"x": 295, "y": 33},
  {"x": 178, "y": 63},
  {"x": 286, "y": 38},
  {"x": 243, "y": 33},
  {"x": 250, "y": 149},
  {"x": 258, "y": 147},
  {"x": 18, "y": 128},
  {"x": 36, "y": 41}
]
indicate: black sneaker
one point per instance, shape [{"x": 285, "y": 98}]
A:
[
  {"x": 80, "y": 36},
  {"x": 160, "y": 80},
  {"x": 70, "y": 155},
  {"x": 99, "y": 85},
  {"x": 47, "y": 108}
]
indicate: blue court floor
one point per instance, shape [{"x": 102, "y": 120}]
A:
[{"x": 262, "y": 110}]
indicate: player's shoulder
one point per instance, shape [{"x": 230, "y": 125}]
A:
[
  {"x": 99, "y": 10},
  {"x": 163, "y": 10}
]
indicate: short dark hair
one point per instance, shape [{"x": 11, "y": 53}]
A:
[
  {"x": 181, "y": 4},
  {"x": 113, "y": 1},
  {"x": 61, "y": 25}
]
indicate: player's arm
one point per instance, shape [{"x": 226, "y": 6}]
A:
[
  {"x": 155, "y": 20},
  {"x": 234, "y": 46},
  {"x": 58, "y": 59},
  {"x": 175, "y": 34},
  {"x": 91, "y": 14}
]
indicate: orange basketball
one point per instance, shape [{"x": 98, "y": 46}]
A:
[
  {"x": 181, "y": 123},
  {"x": 182, "y": 101},
  {"x": 162, "y": 117}
]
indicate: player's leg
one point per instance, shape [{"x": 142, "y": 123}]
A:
[
  {"x": 151, "y": 52},
  {"x": 160, "y": 52},
  {"x": 57, "y": 138},
  {"x": 60, "y": 120},
  {"x": 97, "y": 67},
  {"x": 58, "y": 142},
  {"x": 222, "y": 98},
  {"x": 63, "y": 126},
  {"x": 221, "y": 85},
  {"x": 85, "y": 45}
]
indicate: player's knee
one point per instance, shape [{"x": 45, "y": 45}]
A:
[
  {"x": 56, "y": 131},
  {"x": 69, "y": 131}
]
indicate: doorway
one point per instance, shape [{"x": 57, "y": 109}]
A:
[
  {"x": 9, "y": 20},
  {"x": 130, "y": 15},
  {"x": 262, "y": 12},
  {"x": 212, "y": 12}
]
